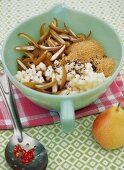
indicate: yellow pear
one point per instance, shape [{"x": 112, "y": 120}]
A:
[{"x": 108, "y": 128}]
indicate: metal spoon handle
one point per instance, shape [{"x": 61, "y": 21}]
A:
[{"x": 8, "y": 97}]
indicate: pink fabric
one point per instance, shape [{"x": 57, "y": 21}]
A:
[{"x": 33, "y": 115}]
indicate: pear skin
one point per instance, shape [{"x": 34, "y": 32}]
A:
[{"x": 108, "y": 128}]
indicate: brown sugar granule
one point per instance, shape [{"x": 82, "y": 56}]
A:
[
  {"x": 85, "y": 51},
  {"x": 105, "y": 65}
]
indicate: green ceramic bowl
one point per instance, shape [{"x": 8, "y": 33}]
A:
[{"x": 79, "y": 22}]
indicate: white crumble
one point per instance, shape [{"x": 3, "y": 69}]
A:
[{"x": 80, "y": 77}]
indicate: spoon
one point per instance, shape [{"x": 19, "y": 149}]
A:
[{"x": 40, "y": 160}]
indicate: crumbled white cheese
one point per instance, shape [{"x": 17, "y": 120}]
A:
[
  {"x": 80, "y": 77},
  {"x": 41, "y": 66},
  {"x": 49, "y": 73},
  {"x": 30, "y": 75}
]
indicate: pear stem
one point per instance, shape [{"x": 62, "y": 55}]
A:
[{"x": 118, "y": 107}]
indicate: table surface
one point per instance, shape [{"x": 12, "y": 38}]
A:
[{"x": 78, "y": 150}]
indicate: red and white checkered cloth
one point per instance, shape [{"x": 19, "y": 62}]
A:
[{"x": 33, "y": 115}]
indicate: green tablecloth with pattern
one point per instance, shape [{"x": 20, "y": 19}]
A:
[{"x": 78, "y": 150}]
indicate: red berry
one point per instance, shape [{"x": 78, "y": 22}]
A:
[
  {"x": 22, "y": 161},
  {"x": 27, "y": 161},
  {"x": 23, "y": 151},
  {"x": 26, "y": 156},
  {"x": 17, "y": 154},
  {"x": 15, "y": 150}
]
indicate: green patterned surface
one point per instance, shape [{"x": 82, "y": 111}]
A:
[{"x": 76, "y": 151}]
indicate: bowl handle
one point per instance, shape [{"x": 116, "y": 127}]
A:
[{"x": 67, "y": 115}]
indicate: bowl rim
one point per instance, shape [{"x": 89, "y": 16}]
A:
[{"x": 60, "y": 7}]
